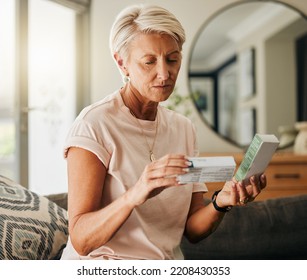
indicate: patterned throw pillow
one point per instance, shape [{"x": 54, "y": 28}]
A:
[{"x": 31, "y": 226}]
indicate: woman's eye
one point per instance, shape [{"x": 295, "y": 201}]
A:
[
  {"x": 172, "y": 60},
  {"x": 149, "y": 62}
]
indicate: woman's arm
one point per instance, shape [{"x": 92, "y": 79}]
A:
[
  {"x": 203, "y": 220},
  {"x": 90, "y": 226}
]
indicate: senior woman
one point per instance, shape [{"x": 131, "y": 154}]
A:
[{"x": 124, "y": 154}]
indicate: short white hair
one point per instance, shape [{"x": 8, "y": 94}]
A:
[{"x": 144, "y": 19}]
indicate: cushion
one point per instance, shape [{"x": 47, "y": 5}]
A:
[
  {"x": 31, "y": 226},
  {"x": 270, "y": 229}
]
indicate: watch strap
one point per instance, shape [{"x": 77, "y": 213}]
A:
[{"x": 218, "y": 208}]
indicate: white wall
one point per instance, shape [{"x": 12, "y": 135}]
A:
[{"x": 105, "y": 77}]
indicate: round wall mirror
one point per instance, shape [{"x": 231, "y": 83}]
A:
[{"x": 246, "y": 71}]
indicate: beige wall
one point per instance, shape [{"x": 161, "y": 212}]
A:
[{"x": 105, "y": 77}]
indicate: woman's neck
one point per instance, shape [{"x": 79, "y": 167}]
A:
[{"x": 145, "y": 110}]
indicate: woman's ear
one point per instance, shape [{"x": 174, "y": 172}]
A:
[{"x": 120, "y": 63}]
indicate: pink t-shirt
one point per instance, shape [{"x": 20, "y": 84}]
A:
[{"x": 155, "y": 228}]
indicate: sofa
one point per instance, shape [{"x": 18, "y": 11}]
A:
[{"x": 36, "y": 227}]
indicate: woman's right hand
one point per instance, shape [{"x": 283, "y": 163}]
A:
[{"x": 157, "y": 176}]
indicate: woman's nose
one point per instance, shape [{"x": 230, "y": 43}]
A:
[{"x": 163, "y": 72}]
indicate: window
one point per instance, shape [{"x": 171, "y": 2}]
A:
[
  {"x": 8, "y": 153},
  {"x": 41, "y": 93}
]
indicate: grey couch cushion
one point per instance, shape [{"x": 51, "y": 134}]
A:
[
  {"x": 272, "y": 229},
  {"x": 60, "y": 199}
]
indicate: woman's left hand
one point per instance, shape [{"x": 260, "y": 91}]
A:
[{"x": 240, "y": 193}]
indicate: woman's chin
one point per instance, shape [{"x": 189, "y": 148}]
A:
[{"x": 163, "y": 94}]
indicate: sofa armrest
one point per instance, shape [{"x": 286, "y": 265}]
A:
[{"x": 60, "y": 199}]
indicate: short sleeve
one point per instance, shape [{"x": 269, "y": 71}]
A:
[{"x": 84, "y": 135}]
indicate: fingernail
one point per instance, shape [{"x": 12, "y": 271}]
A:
[
  {"x": 185, "y": 169},
  {"x": 180, "y": 183},
  {"x": 189, "y": 163}
]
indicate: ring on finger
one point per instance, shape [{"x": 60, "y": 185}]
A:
[{"x": 244, "y": 201}]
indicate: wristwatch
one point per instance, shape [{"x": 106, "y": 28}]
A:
[{"x": 218, "y": 208}]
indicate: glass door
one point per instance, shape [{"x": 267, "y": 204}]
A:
[
  {"x": 51, "y": 92},
  {"x": 8, "y": 144}
]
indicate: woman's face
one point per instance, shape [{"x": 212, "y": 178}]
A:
[{"x": 153, "y": 65}]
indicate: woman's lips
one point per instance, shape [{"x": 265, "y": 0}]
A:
[{"x": 162, "y": 86}]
